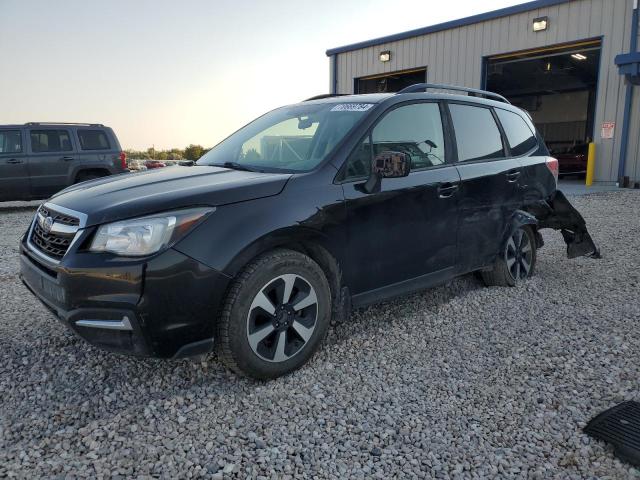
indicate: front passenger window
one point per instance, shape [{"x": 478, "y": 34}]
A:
[
  {"x": 10, "y": 141},
  {"x": 414, "y": 129}
]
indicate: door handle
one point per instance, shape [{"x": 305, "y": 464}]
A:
[
  {"x": 66, "y": 159},
  {"x": 447, "y": 189},
  {"x": 513, "y": 175},
  {"x": 14, "y": 160}
]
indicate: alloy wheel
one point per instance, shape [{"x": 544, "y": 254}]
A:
[
  {"x": 282, "y": 318},
  {"x": 519, "y": 255}
]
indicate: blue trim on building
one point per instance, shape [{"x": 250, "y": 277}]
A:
[
  {"x": 483, "y": 17},
  {"x": 628, "y": 63}
]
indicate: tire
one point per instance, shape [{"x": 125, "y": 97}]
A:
[
  {"x": 260, "y": 333},
  {"x": 517, "y": 260}
]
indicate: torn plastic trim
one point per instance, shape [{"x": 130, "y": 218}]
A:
[{"x": 557, "y": 213}]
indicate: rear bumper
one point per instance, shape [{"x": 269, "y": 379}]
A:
[{"x": 163, "y": 307}]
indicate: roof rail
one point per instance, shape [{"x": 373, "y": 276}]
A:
[
  {"x": 325, "y": 95},
  {"x": 419, "y": 87},
  {"x": 65, "y": 123}
]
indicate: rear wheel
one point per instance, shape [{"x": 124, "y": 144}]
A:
[
  {"x": 275, "y": 316},
  {"x": 517, "y": 260}
]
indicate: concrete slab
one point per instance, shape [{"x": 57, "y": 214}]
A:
[{"x": 577, "y": 187}]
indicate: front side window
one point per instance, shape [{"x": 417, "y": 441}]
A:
[
  {"x": 93, "y": 140},
  {"x": 50, "y": 141},
  {"x": 295, "y": 139},
  {"x": 477, "y": 134},
  {"x": 520, "y": 137},
  {"x": 412, "y": 129},
  {"x": 10, "y": 141}
]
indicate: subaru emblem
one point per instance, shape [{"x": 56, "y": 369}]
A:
[{"x": 47, "y": 225}]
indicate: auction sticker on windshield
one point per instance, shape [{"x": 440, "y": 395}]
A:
[{"x": 352, "y": 107}]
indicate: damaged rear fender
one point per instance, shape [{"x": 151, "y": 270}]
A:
[
  {"x": 557, "y": 213},
  {"x": 519, "y": 219}
]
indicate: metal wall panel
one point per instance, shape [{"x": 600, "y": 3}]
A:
[{"x": 455, "y": 56}]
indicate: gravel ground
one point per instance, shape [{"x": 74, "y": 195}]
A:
[{"x": 460, "y": 381}]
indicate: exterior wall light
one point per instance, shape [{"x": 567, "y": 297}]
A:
[
  {"x": 385, "y": 56},
  {"x": 540, "y": 24}
]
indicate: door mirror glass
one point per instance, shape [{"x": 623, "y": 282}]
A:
[{"x": 391, "y": 164}]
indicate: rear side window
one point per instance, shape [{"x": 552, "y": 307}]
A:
[
  {"x": 477, "y": 134},
  {"x": 93, "y": 140},
  {"x": 50, "y": 141},
  {"x": 520, "y": 137},
  {"x": 10, "y": 141}
]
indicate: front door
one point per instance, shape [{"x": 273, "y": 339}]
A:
[
  {"x": 50, "y": 161},
  {"x": 14, "y": 175},
  {"x": 407, "y": 230}
]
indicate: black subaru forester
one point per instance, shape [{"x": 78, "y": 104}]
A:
[{"x": 311, "y": 209}]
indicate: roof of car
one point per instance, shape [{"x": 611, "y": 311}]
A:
[
  {"x": 381, "y": 97},
  {"x": 361, "y": 98},
  {"x": 53, "y": 124}
]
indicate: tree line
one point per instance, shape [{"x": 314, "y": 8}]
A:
[{"x": 192, "y": 152}]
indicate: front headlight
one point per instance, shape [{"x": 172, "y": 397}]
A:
[{"x": 146, "y": 235}]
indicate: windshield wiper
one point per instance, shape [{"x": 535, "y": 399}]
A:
[{"x": 234, "y": 166}]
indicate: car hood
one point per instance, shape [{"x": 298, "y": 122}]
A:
[{"x": 133, "y": 194}]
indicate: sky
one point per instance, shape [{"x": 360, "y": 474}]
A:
[{"x": 171, "y": 73}]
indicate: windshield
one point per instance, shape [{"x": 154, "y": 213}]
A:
[{"x": 296, "y": 138}]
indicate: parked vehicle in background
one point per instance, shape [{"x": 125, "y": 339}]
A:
[
  {"x": 151, "y": 164},
  {"x": 308, "y": 210},
  {"x": 40, "y": 159},
  {"x": 573, "y": 160}
]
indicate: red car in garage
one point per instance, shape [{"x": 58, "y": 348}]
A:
[{"x": 573, "y": 160}]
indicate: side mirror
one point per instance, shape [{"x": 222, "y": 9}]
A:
[{"x": 387, "y": 165}]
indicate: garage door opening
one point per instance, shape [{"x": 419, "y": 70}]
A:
[
  {"x": 558, "y": 87},
  {"x": 390, "y": 82}
]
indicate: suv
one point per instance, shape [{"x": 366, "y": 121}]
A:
[
  {"x": 39, "y": 159},
  {"x": 309, "y": 210}
]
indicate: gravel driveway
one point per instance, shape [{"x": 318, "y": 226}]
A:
[{"x": 461, "y": 381}]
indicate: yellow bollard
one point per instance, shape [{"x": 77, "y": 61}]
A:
[{"x": 591, "y": 164}]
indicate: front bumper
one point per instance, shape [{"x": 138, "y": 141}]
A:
[{"x": 164, "y": 306}]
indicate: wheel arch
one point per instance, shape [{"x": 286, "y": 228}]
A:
[
  {"x": 100, "y": 171},
  {"x": 518, "y": 219},
  {"x": 304, "y": 240}
]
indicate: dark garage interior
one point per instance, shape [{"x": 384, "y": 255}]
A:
[
  {"x": 557, "y": 86},
  {"x": 391, "y": 82}
]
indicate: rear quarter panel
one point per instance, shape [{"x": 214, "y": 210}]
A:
[
  {"x": 97, "y": 159},
  {"x": 537, "y": 182}
]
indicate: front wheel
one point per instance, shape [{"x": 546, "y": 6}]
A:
[
  {"x": 517, "y": 260},
  {"x": 275, "y": 316}
]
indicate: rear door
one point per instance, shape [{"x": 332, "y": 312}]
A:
[
  {"x": 490, "y": 191},
  {"x": 14, "y": 175},
  {"x": 407, "y": 229},
  {"x": 51, "y": 157}
]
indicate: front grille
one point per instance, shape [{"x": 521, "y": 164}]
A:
[
  {"x": 59, "y": 217},
  {"x": 54, "y": 244}
]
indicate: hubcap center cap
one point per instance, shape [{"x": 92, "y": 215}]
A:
[{"x": 282, "y": 319}]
